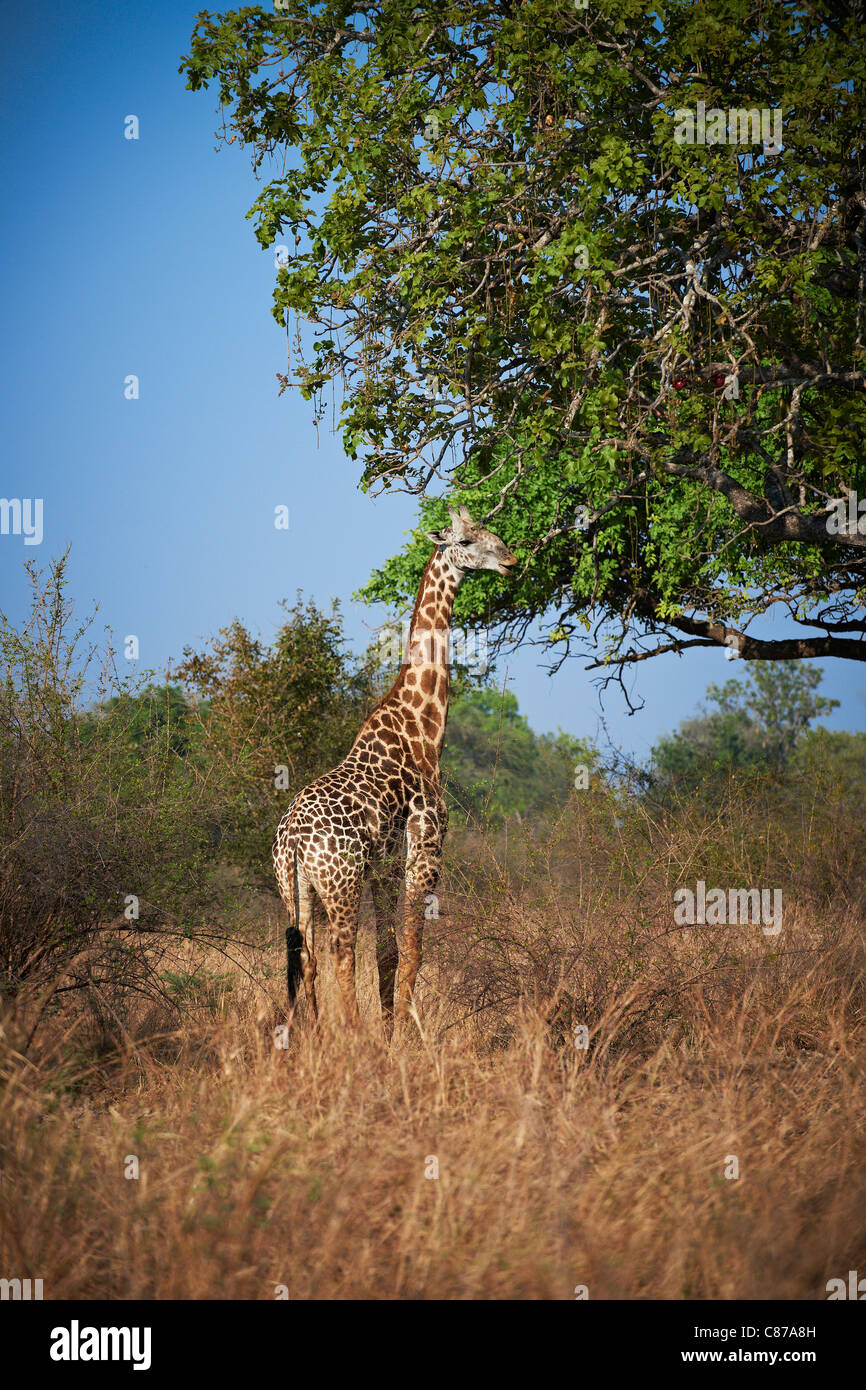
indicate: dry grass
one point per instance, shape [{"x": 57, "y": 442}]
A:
[{"x": 558, "y": 1165}]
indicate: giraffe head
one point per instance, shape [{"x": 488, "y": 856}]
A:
[{"x": 469, "y": 547}]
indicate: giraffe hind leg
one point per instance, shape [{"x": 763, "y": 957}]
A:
[
  {"x": 300, "y": 942},
  {"x": 294, "y": 967},
  {"x": 385, "y": 888},
  {"x": 342, "y": 913}
]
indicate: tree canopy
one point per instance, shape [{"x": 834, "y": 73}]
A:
[{"x": 597, "y": 273}]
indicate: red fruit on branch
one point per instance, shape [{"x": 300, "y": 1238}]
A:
[
  {"x": 719, "y": 379},
  {"x": 680, "y": 382}
]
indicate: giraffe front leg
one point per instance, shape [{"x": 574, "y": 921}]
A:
[{"x": 423, "y": 863}]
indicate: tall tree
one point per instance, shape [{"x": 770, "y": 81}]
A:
[{"x": 597, "y": 271}]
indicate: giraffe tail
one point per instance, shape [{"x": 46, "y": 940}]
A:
[{"x": 294, "y": 940}]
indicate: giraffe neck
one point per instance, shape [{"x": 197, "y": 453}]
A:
[{"x": 420, "y": 692}]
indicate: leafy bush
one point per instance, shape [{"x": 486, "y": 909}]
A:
[
  {"x": 271, "y": 718},
  {"x": 105, "y": 821}
]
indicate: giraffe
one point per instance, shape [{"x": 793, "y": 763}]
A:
[{"x": 351, "y": 824}]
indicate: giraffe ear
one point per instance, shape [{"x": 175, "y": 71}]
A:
[{"x": 437, "y": 537}]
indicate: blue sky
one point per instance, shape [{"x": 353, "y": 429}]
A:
[{"x": 134, "y": 257}]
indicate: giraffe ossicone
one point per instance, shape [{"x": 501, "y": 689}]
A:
[{"x": 380, "y": 814}]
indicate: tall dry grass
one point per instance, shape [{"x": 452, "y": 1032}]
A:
[{"x": 312, "y": 1167}]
